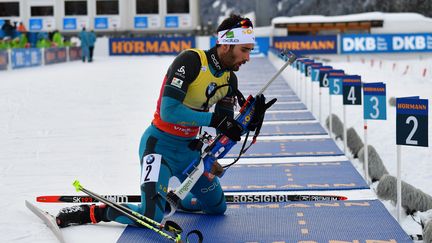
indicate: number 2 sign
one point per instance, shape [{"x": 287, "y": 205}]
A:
[{"x": 412, "y": 121}]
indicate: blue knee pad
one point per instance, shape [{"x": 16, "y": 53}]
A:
[{"x": 206, "y": 196}]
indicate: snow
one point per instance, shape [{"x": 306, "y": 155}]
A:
[
  {"x": 402, "y": 17},
  {"x": 392, "y": 22},
  {"x": 84, "y": 121}
]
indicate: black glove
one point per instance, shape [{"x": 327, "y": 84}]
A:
[
  {"x": 260, "y": 109},
  {"x": 227, "y": 125}
]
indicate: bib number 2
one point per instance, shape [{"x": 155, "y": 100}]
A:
[{"x": 150, "y": 168}]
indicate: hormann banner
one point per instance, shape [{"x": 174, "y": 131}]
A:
[
  {"x": 367, "y": 43},
  {"x": 323, "y": 44},
  {"x": 150, "y": 45}
]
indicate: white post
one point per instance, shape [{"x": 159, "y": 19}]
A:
[
  {"x": 366, "y": 153},
  {"x": 300, "y": 86},
  {"x": 344, "y": 130},
  {"x": 67, "y": 54},
  {"x": 43, "y": 56},
  {"x": 10, "y": 58},
  {"x": 312, "y": 95},
  {"x": 399, "y": 184},
  {"x": 305, "y": 89},
  {"x": 319, "y": 105},
  {"x": 330, "y": 117}
]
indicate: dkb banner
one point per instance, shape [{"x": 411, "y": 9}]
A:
[
  {"x": 26, "y": 57},
  {"x": 366, "y": 43}
]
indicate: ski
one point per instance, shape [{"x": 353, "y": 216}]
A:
[
  {"x": 230, "y": 198},
  {"x": 48, "y": 219}
]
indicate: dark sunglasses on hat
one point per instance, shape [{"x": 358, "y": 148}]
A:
[{"x": 244, "y": 23}]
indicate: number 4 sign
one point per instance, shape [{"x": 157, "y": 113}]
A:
[
  {"x": 351, "y": 89},
  {"x": 374, "y": 101},
  {"x": 412, "y": 121}
]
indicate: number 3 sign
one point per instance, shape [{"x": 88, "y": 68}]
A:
[
  {"x": 374, "y": 95},
  {"x": 412, "y": 121}
]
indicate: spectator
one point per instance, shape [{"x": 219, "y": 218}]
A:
[
  {"x": 21, "y": 28},
  {"x": 5, "y": 43},
  {"x": 8, "y": 29},
  {"x": 43, "y": 41},
  {"x": 84, "y": 37},
  {"x": 23, "y": 41},
  {"x": 57, "y": 39},
  {"x": 92, "y": 41}
]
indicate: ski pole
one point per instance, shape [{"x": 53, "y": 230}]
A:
[
  {"x": 290, "y": 60},
  {"x": 135, "y": 216}
]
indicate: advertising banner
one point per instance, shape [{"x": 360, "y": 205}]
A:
[
  {"x": 150, "y": 45},
  {"x": 26, "y": 57},
  {"x": 4, "y": 60},
  {"x": 55, "y": 55},
  {"x": 300, "y": 45},
  {"x": 74, "y": 53},
  {"x": 386, "y": 43}
]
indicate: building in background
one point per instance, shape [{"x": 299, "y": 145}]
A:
[{"x": 118, "y": 17}]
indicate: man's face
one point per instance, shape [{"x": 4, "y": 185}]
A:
[{"x": 233, "y": 56}]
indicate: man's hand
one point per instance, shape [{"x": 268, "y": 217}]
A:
[
  {"x": 227, "y": 125},
  {"x": 216, "y": 170},
  {"x": 260, "y": 109}
]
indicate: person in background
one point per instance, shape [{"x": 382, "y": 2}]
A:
[
  {"x": 57, "y": 39},
  {"x": 8, "y": 28},
  {"x": 84, "y": 38},
  {"x": 43, "y": 41},
  {"x": 92, "y": 41},
  {"x": 195, "y": 81},
  {"x": 23, "y": 41},
  {"x": 5, "y": 43},
  {"x": 21, "y": 28}
]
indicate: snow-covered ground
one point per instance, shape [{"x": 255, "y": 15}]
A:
[{"x": 83, "y": 121}]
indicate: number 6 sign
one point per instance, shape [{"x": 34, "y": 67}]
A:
[{"x": 412, "y": 121}]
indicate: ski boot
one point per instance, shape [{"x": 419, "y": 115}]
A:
[{"x": 82, "y": 214}]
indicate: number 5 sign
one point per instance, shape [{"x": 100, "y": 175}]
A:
[
  {"x": 412, "y": 121},
  {"x": 374, "y": 101}
]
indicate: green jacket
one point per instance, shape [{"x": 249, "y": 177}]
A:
[{"x": 58, "y": 39}]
